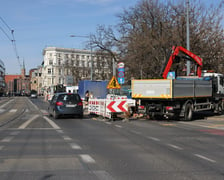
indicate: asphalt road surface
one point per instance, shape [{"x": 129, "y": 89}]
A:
[{"x": 35, "y": 146}]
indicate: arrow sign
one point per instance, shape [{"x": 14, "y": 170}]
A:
[
  {"x": 117, "y": 106},
  {"x": 120, "y": 106},
  {"x": 110, "y": 106}
]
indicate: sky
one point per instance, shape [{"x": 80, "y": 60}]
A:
[{"x": 38, "y": 24}]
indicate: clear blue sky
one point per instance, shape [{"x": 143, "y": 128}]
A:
[{"x": 41, "y": 23}]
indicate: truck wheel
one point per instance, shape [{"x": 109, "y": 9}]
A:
[{"x": 188, "y": 114}]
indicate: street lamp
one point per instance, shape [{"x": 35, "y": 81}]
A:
[{"x": 91, "y": 54}]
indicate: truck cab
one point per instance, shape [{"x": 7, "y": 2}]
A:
[{"x": 218, "y": 81}]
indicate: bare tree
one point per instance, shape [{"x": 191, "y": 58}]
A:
[{"x": 148, "y": 31}]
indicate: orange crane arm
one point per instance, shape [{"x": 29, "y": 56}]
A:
[{"x": 175, "y": 52}]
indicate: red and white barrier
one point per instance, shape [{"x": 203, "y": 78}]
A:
[{"x": 105, "y": 107}]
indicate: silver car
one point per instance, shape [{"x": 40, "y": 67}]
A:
[{"x": 65, "y": 104}]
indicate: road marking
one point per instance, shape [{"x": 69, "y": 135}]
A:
[
  {"x": 75, "y": 146},
  {"x": 2, "y": 110},
  {"x": 109, "y": 123},
  {"x": 66, "y": 138},
  {"x": 118, "y": 126},
  {"x": 13, "y": 110},
  {"x": 33, "y": 105},
  {"x": 2, "y": 106},
  {"x": 60, "y": 131},
  {"x": 102, "y": 175},
  {"x": 7, "y": 139},
  {"x": 24, "y": 125},
  {"x": 53, "y": 124},
  {"x": 167, "y": 124},
  {"x": 153, "y": 138},
  {"x": 174, "y": 146},
  {"x": 44, "y": 112},
  {"x": 205, "y": 158},
  {"x": 87, "y": 158}
]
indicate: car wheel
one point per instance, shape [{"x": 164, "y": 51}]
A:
[{"x": 55, "y": 115}]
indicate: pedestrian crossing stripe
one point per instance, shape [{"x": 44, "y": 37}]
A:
[{"x": 113, "y": 84}]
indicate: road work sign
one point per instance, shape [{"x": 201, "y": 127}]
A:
[{"x": 113, "y": 84}]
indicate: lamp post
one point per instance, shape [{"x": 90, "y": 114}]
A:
[
  {"x": 188, "y": 37},
  {"x": 91, "y": 54}
]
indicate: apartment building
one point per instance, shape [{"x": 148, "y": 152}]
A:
[{"x": 67, "y": 66}]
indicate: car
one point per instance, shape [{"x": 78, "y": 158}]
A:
[
  {"x": 63, "y": 104},
  {"x": 33, "y": 94}
]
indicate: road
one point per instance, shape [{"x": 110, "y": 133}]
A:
[{"x": 35, "y": 146}]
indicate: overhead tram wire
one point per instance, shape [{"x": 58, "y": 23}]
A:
[{"x": 11, "y": 39}]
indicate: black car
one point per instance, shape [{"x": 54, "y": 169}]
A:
[{"x": 65, "y": 104}]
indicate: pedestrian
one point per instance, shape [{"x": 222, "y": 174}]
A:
[{"x": 87, "y": 97}]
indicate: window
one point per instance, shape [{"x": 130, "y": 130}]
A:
[
  {"x": 50, "y": 61},
  {"x": 59, "y": 62},
  {"x": 60, "y": 71},
  {"x": 49, "y": 71}
]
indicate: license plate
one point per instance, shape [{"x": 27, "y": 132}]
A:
[{"x": 71, "y": 105}]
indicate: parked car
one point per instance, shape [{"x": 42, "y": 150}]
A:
[
  {"x": 65, "y": 104},
  {"x": 33, "y": 94}
]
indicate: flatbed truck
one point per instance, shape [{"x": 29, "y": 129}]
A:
[{"x": 180, "y": 97}]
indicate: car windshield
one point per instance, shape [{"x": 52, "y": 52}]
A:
[{"x": 72, "y": 98}]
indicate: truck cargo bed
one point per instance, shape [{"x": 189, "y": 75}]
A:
[{"x": 171, "y": 88}]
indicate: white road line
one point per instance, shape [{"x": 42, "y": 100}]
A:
[
  {"x": 53, "y": 124},
  {"x": 60, "y": 131},
  {"x": 174, "y": 146},
  {"x": 66, "y": 138},
  {"x": 205, "y": 158},
  {"x": 102, "y": 175},
  {"x": 2, "y": 106},
  {"x": 153, "y": 138},
  {"x": 44, "y": 111},
  {"x": 1, "y": 147},
  {"x": 75, "y": 146},
  {"x": 87, "y": 158},
  {"x": 13, "y": 110},
  {"x": 108, "y": 123},
  {"x": 33, "y": 104},
  {"x": 24, "y": 125},
  {"x": 118, "y": 126},
  {"x": 7, "y": 139}
]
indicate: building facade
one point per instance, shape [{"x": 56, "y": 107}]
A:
[
  {"x": 2, "y": 78},
  {"x": 18, "y": 84},
  {"x": 68, "y": 66}
]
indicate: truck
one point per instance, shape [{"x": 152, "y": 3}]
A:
[
  {"x": 98, "y": 89},
  {"x": 179, "y": 97}
]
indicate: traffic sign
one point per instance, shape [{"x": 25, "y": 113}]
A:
[
  {"x": 117, "y": 106},
  {"x": 121, "y": 74},
  {"x": 113, "y": 84}
]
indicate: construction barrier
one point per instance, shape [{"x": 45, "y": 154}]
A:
[{"x": 107, "y": 107}]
